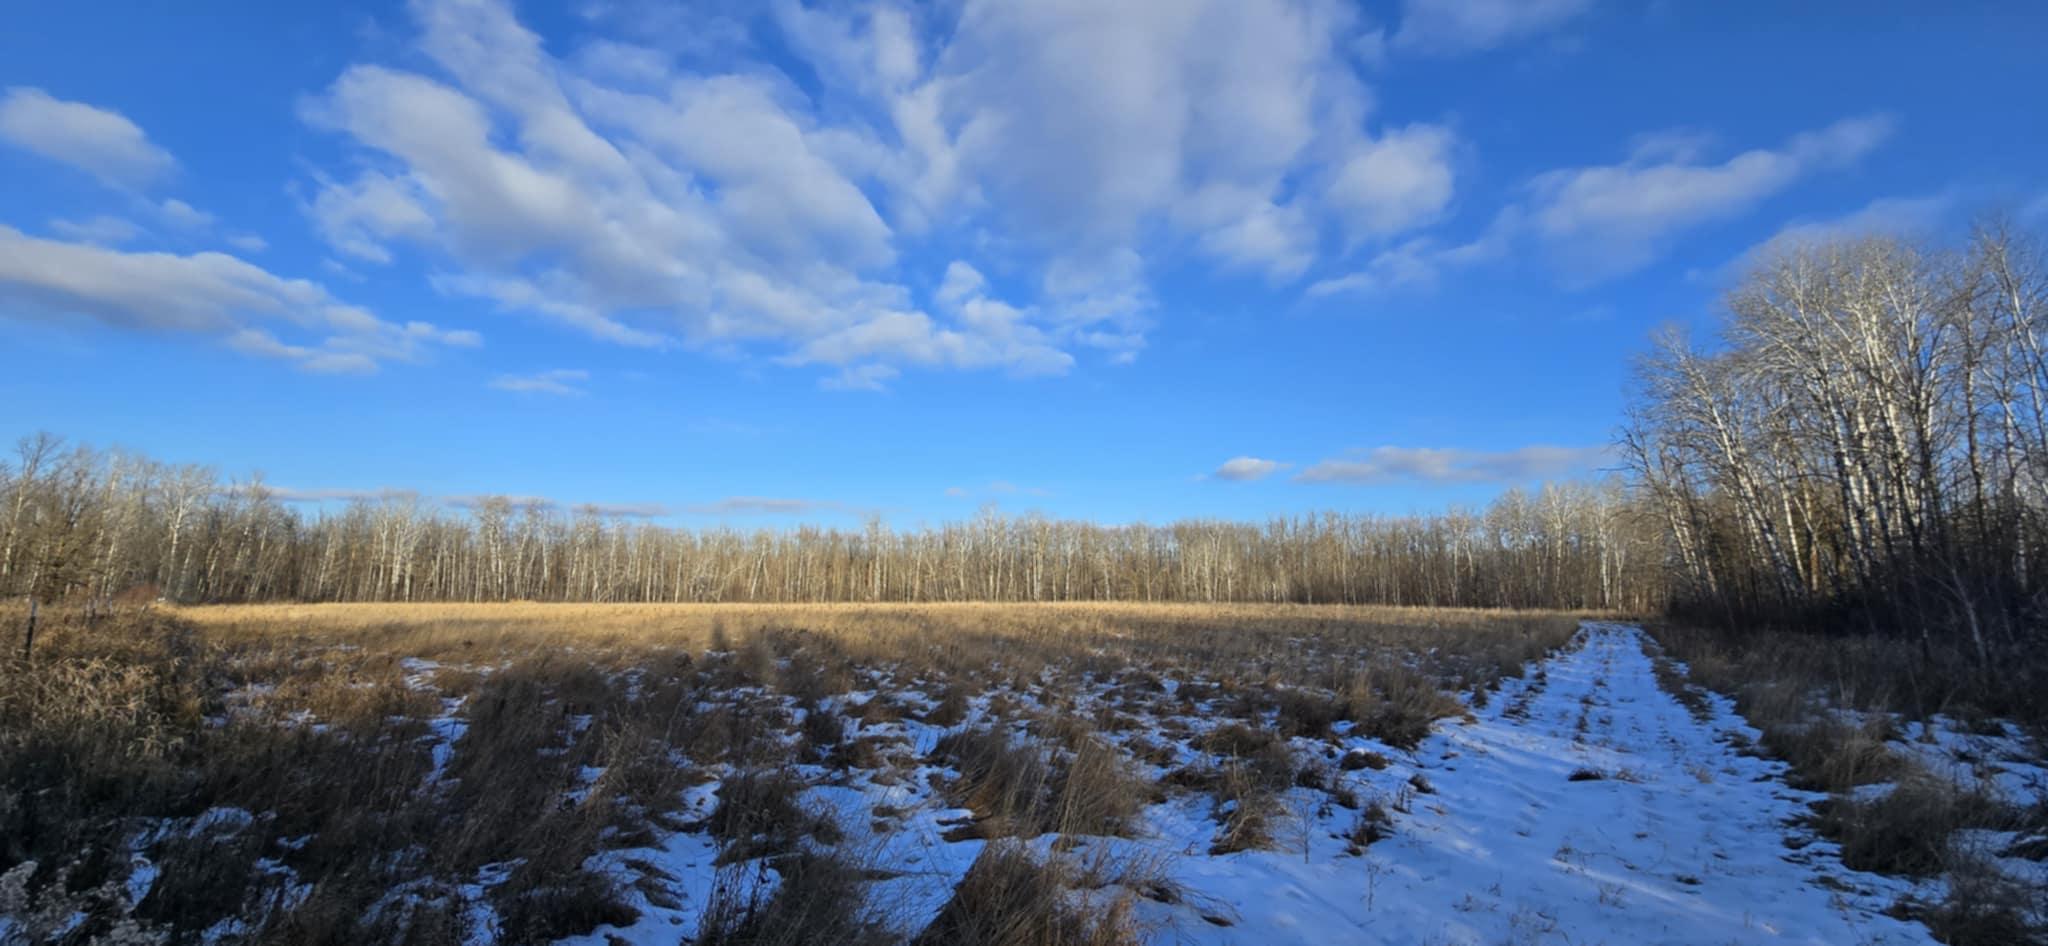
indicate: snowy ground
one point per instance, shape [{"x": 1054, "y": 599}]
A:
[
  {"x": 1683, "y": 839},
  {"x": 1582, "y": 805}
]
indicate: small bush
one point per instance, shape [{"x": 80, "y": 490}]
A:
[
  {"x": 820, "y": 901},
  {"x": 1907, "y": 830},
  {"x": 1363, "y": 759},
  {"x": 759, "y": 814},
  {"x": 1011, "y": 898},
  {"x": 1006, "y": 784},
  {"x": 1372, "y": 824},
  {"x": 1249, "y": 809},
  {"x": 1397, "y": 705}
]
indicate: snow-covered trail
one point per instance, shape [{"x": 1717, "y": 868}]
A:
[{"x": 1684, "y": 839}]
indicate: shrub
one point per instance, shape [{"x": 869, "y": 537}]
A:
[{"x": 1011, "y": 898}]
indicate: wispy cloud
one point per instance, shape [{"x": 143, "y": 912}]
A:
[
  {"x": 1887, "y": 216},
  {"x": 101, "y": 230},
  {"x": 1596, "y": 222},
  {"x": 289, "y": 494},
  {"x": 608, "y": 510},
  {"x": 522, "y": 501},
  {"x": 624, "y": 510},
  {"x": 996, "y": 489},
  {"x": 1606, "y": 220},
  {"x": 1246, "y": 469},
  {"x": 564, "y": 382},
  {"x": 1450, "y": 465},
  {"x": 652, "y": 200},
  {"x": 1453, "y": 27},
  {"x": 210, "y": 294},
  {"x": 98, "y": 141},
  {"x": 766, "y": 506},
  {"x": 389, "y": 494}
]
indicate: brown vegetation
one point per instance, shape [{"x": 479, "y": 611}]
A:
[{"x": 340, "y": 773}]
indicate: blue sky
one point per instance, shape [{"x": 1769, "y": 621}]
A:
[{"x": 762, "y": 263}]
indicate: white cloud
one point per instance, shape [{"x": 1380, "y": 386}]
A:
[
  {"x": 262, "y": 344},
  {"x": 623, "y": 510},
  {"x": 99, "y": 141},
  {"x": 289, "y": 494},
  {"x": 1399, "y": 182},
  {"x": 102, "y": 230},
  {"x": 764, "y": 506},
  {"x": 1453, "y": 27},
  {"x": 516, "y": 501},
  {"x": 184, "y": 216},
  {"x": 962, "y": 281},
  {"x": 1246, "y": 469},
  {"x": 1884, "y": 216},
  {"x": 1596, "y": 222},
  {"x": 356, "y": 218},
  {"x": 560, "y": 381},
  {"x": 1609, "y": 219},
  {"x": 996, "y": 488},
  {"x": 1449, "y": 465},
  {"x": 646, "y": 206},
  {"x": 1085, "y": 126},
  {"x": 624, "y": 193},
  {"x": 248, "y": 242},
  {"x": 609, "y": 510},
  {"x": 1410, "y": 264},
  {"x": 206, "y": 293}
]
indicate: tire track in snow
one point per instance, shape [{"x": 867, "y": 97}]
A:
[
  {"x": 1683, "y": 841},
  {"x": 1680, "y": 838}
]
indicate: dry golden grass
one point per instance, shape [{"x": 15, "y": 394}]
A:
[
  {"x": 580, "y": 725},
  {"x": 603, "y": 623},
  {"x": 1251, "y": 645}
]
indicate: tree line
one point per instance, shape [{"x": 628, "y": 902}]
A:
[
  {"x": 1862, "y": 446},
  {"x": 91, "y": 525}
]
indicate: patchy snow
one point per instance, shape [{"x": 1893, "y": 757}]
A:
[
  {"x": 685, "y": 871},
  {"x": 917, "y": 867},
  {"x": 1998, "y": 759},
  {"x": 419, "y": 673},
  {"x": 142, "y": 877},
  {"x": 1583, "y": 805}
]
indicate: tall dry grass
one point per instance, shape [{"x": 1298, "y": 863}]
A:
[{"x": 280, "y": 765}]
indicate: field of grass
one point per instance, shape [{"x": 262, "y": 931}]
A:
[
  {"x": 465, "y": 773},
  {"x": 823, "y": 774}
]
